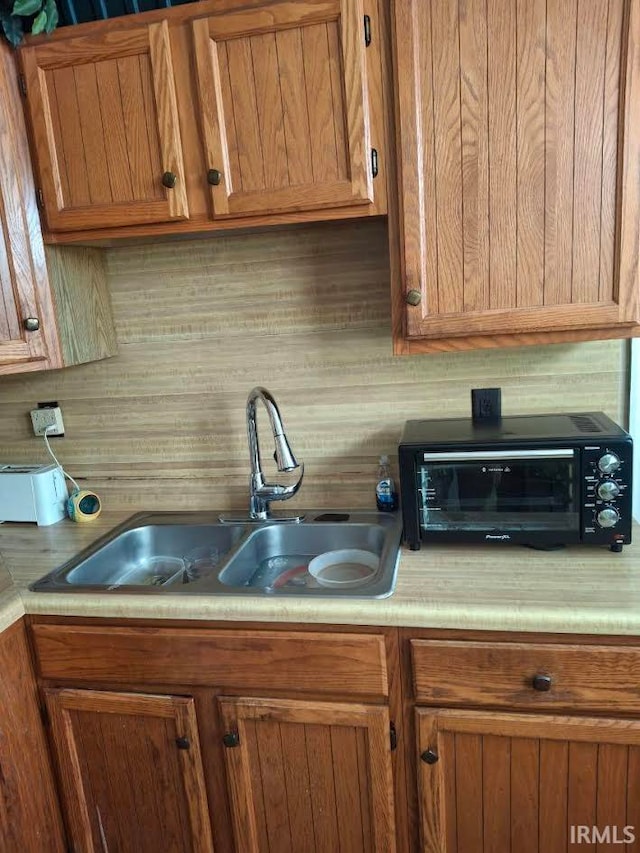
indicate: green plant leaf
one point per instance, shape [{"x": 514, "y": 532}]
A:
[
  {"x": 52, "y": 15},
  {"x": 26, "y": 7},
  {"x": 39, "y": 23},
  {"x": 12, "y": 28}
]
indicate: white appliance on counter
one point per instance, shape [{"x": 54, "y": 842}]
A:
[{"x": 32, "y": 493}]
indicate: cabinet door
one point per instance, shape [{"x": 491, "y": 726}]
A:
[
  {"x": 309, "y": 776},
  {"x": 24, "y": 287},
  {"x": 30, "y": 817},
  {"x": 516, "y": 782},
  {"x": 520, "y": 164},
  {"x": 284, "y": 107},
  {"x": 131, "y": 771},
  {"x": 105, "y": 128}
]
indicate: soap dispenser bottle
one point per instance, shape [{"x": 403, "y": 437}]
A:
[{"x": 386, "y": 495}]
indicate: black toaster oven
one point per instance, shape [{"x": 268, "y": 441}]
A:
[{"x": 539, "y": 480}]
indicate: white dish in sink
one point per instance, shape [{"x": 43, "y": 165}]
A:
[{"x": 343, "y": 568}]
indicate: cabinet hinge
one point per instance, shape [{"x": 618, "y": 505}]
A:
[
  {"x": 22, "y": 83},
  {"x": 44, "y": 715},
  {"x": 367, "y": 30},
  {"x": 374, "y": 162},
  {"x": 393, "y": 736},
  {"x": 40, "y": 198}
]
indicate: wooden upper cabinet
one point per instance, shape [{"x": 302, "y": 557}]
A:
[
  {"x": 105, "y": 128},
  {"x": 520, "y": 783},
  {"x": 54, "y": 305},
  {"x": 211, "y": 115},
  {"x": 307, "y": 776},
  {"x": 131, "y": 771},
  {"x": 24, "y": 288},
  {"x": 22, "y": 304},
  {"x": 520, "y": 166},
  {"x": 284, "y": 105}
]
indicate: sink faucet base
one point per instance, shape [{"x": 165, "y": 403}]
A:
[{"x": 252, "y": 519}]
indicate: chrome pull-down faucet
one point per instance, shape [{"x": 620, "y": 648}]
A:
[{"x": 261, "y": 494}]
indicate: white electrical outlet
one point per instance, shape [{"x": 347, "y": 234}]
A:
[{"x": 51, "y": 416}]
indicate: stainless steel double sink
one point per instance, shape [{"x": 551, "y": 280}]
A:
[{"x": 188, "y": 553}]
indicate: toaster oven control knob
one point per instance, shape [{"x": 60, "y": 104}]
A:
[
  {"x": 608, "y": 463},
  {"x": 608, "y": 517},
  {"x": 608, "y": 490}
]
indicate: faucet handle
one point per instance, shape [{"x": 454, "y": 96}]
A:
[{"x": 277, "y": 492}]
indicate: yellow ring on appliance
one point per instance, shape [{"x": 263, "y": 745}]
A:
[{"x": 83, "y": 506}]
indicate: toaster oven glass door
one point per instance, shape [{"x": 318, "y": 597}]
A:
[{"x": 501, "y": 491}]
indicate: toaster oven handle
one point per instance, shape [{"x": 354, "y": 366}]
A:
[{"x": 480, "y": 455}]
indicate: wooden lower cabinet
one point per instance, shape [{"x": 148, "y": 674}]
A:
[
  {"x": 301, "y": 776},
  {"x": 30, "y": 820},
  {"x": 242, "y": 740},
  {"x": 513, "y": 783},
  {"x": 309, "y": 776},
  {"x": 131, "y": 772},
  {"x": 256, "y": 739}
]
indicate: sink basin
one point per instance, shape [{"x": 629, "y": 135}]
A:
[
  {"x": 147, "y": 551},
  {"x": 278, "y": 551},
  {"x": 188, "y": 553}
]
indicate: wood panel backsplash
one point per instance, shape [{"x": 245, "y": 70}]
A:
[{"x": 304, "y": 312}]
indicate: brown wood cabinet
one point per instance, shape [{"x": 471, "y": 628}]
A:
[
  {"x": 285, "y": 107},
  {"x": 518, "y": 762},
  {"x": 303, "y": 739},
  {"x": 195, "y": 118},
  {"x": 25, "y": 299},
  {"x": 315, "y": 662},
  {"x": 290, "y": 739},
  {"x": 54, "y": 306},
  {"x": 105, "y": 128},
  {"x": 131, "y": 771},
  {"x": 30, "y": 818},
  {"x": 529, "y": 676},
  {"x": 519, "y": 171},
  {"x": 309, "y": 776},
  {"x": 519, "y": 782}
]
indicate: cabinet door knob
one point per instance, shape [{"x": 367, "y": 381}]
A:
[
  {"x": 413, "y": 297},
  {"x": 429, "y": 756},
  {"x": 31, "y": 324},
  {"x": 182, "y": 742},
  {"x": 169, "y": 180},
  {"x": 541, "y": 682},
  {"x": 214, "y": 177},
  {"x": 231, "y": 739}
]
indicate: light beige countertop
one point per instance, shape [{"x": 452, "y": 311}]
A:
[
  {"x": 575, "y": 590},
  {"x": 11, "y": 607}
]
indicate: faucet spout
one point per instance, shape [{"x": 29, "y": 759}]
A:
[{"x": 261, "y": 494}]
